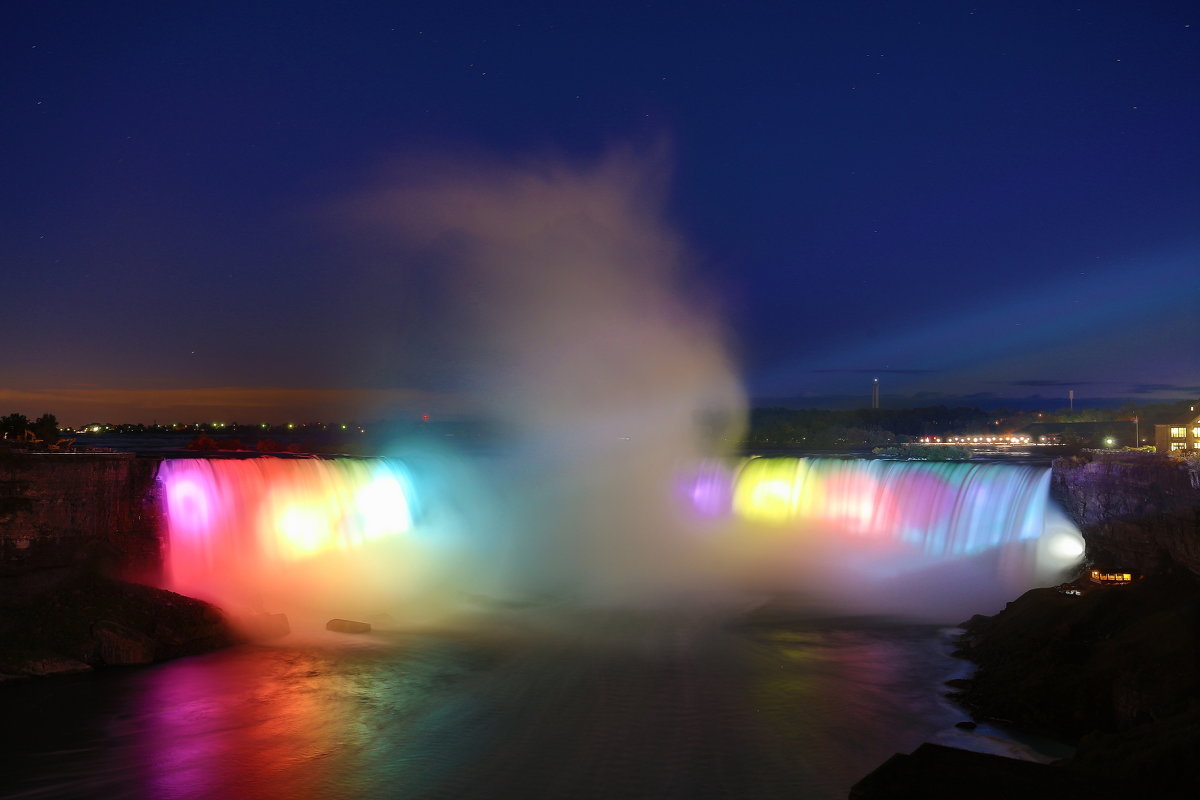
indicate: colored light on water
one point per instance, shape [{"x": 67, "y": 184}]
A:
[
  {"x": 383, "y": 508},
  {"x": 304, "y": 530},
  {"x": 238, "y": 525},
  {"x": 230, "y": 520},
  {"x": 944, "y": 508},
  {"x": 769, "y": 489},
  {"x": 189, "y": 505},
  {"x": 707, "y": 489},
  {"x": 1066, "y": 546}
]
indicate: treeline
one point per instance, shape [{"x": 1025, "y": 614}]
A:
[
  {"x": 879, "y": 427},
  {"x": 17, "y": 426},
  {"x": 1147, "y": 413}
]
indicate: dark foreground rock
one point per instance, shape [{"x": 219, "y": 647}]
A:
[
  {"x": 95, "y": 621},
  {"x": 1109, "y": 660},
  {"x": 935, "y": 772},
  {"x": 1116, "y": 670}
]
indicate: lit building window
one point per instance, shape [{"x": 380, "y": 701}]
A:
[
  {"x": 1196, "y": 433},
  {"x": 1179, "y": 445},
  {"x": 1178, "y": 433}
]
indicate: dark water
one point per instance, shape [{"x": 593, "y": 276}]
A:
[{"x": 594, "y": 705}]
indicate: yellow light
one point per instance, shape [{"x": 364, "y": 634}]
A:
[{"x": 304, "y": 530}]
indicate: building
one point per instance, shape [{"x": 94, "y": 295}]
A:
[
  {"x": 1178, "y": 436},
  {"x": 1111, "y": 578}
]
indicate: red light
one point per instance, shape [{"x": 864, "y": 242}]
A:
[{"x": 424, "y": 418}]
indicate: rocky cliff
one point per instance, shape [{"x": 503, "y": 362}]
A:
[
  {"x": 79, "y": 535},
  {"x": 76, "y": 512},
  {"x": 1139, "y": 512}
]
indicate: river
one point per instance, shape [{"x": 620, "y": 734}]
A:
[{"x": 581, "y": 704}]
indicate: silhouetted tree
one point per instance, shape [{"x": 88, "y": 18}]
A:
[
  {"x": 13, "y": 426},
  {"x": 45, "y": 428}
]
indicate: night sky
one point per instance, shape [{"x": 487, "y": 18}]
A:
[{"x": 973, "y": 202}]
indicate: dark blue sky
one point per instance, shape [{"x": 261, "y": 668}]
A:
[{"x": 964, "y": 199}]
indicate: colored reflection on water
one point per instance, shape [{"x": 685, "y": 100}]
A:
[{"x": 607, "y": 706}]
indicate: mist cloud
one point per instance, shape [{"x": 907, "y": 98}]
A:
[{"x": 565, "y": 294}]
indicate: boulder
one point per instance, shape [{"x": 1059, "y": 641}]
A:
[
  {"x": 120, "y": 645},
  {"x": 347, "y": 626}
]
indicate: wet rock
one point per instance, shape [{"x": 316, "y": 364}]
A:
[
  {"x": 96, "y": 621},
  {"x": 347, "y": 626},
  {"x": 40, "y": 667},
  {"x": 966, "y": 725},
  {"x": 120, "y": 645}
]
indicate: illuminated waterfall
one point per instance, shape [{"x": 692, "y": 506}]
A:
[
  {"x": 906, "y": 534},
  {"x": 347, "y": 535},
  {"x": 244, "y": 532},
  {"x": 939, "y": 508}
]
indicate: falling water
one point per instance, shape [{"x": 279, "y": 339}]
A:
[
  {"x": 353, "y": 535},
  {"x": 309, "y": 534}
]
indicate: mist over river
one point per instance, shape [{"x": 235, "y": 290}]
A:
[
  {"x": 608, "y": 556},
  {"x": 522, "y": 704}
]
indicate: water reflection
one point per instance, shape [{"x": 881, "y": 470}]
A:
[{"x": 595, "y": 706}]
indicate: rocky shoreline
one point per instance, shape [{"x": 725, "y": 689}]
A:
[{"x": 1115, "y": 671}]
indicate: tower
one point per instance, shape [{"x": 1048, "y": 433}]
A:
[{"x": 875, "y": 394}]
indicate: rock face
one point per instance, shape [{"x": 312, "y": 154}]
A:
[
  {"x": 65, "y": 514},
  {"x": 1139, "y": 512},
  {"x": 1117, "y": 669},
  {"x": 1108, "y": 660},
  {"x": 74, "y": 528},
  {"x": 95, "y": 621}
]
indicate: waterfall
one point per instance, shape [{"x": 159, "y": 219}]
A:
[
  {"x": 242, "y": 532},
  {"x": 353, "y": 536},
  {"x": 877, "y": 535}
]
